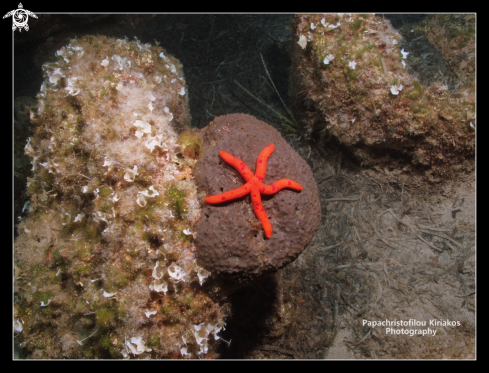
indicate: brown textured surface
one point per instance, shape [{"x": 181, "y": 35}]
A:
[{"x": 230, "y": 238}]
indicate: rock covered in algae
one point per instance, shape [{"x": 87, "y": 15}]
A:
[
  {"x": 230, "y": 238},
  {"x": 453, "y": 36},
  {"x": 105, "y": 261},
  {"x": 351, "y": 81}
]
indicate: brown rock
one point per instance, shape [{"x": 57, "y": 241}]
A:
[{"x": 231, "y": 240}]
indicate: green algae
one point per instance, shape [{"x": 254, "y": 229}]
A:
[
  {"x": 106, "y": 317},
  {"x": 153, "y": 341},
  {"x": 177, "y": 201},
  {"x": 116, "y": 279},
  {"x": 356, "y": 24},
  {"x": 415, "y": 92}
]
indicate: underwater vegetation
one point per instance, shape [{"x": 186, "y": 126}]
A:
[
  {"x": 351, "y": 81},
  {"x": 105, "y": 262}
]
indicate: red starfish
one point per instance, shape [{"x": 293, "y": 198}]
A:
[{"x": 254, "y": 185}]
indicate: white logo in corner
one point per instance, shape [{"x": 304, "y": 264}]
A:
[{"x": 20, "y": 17}]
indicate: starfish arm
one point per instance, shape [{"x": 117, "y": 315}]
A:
[
  {"x": 260, "y": 212},
  {"x": 238, "y": 164},
  {"x": 230, "y": 195},
  {"x": 279, "y": 185},
  {"x": 261, "y": 162}
]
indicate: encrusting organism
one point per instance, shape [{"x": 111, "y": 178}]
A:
[{"x": 230, "y": 239}]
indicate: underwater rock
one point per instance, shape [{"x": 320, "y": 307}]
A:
[
  {"x": 106, "y": 257},
  {"x": 453, "y": 37},
  {"x": 231, "y": 241},
  {"x": 351, "y": 82}
]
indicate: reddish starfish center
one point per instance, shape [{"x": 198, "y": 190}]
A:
[{"x": 254, "y": 185}]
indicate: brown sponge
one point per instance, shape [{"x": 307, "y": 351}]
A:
[{"x": 230, "y": 238}]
